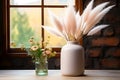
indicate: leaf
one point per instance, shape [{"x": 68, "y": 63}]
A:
[
  {"x": 56, "y": 21},
  {"x": 96, "y": 29},
  {"x": 87, "y": 10},
  {"x": 64, "y": 27},
  {"x": 78, "y": 22},
  {"x": 96, "y": 19},
  {"x": 98, "y": 8},
  {"x": 86, "y": 13},
  {"x": 53, "y": 31},
  {"x": 39, "y": 52},
  {"x": 70, "y": 20},
  {"x": 103, "y": 13},
  {"x": 95, "y": 12}
]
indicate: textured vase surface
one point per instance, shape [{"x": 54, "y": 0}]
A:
[{"x": 72, "y": 59}]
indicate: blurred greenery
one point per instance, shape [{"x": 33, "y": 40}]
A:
[{"x": 20, "y": 30}]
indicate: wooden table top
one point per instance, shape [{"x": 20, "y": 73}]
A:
[{"x": 56, "y": 75}]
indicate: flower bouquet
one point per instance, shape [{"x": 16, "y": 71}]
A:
[
  {"x": 39, "y": 56},
  {"x": 36, "y": 51},
  {"x": 72, "y": 27}
]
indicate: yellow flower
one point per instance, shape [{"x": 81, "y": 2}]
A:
[
  {"x": 22, "y": 46},
  {"x": 34, "y": 48},
  {"x": 13, "y": 44},
  {"x": 32, "y": 38},
  {"x": 31, "y": 41},
  {"x": 48, "y": 52}
]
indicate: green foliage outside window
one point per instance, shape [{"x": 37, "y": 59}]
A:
[{"x": 20, "y": 30}]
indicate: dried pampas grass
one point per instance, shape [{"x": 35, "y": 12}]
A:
[{"x": 74, "y": 26}]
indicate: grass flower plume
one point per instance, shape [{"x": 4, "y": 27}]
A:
[{"x": 74, "y": 26}]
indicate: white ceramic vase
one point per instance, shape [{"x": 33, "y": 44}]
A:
[{"x": 72, "y": 59}]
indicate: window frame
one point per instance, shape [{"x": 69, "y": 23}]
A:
[{"x": 18, "y": 51}]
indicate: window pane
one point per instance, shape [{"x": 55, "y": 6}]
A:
[
  {"x": 24, "y": 23},
  {"x": 54, "y": 40},
  {"x": 58, "y": 2},
  {"x": 25, "y": 2}
]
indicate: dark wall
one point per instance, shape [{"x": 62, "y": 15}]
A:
[
  {"x": 103, "y": 49},
  {"x": 1, "y": 27}
]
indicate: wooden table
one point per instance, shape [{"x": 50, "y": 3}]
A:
[{"x": 56, "y": 75}]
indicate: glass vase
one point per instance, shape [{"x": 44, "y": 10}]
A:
[{"x": 41, "y": 66}]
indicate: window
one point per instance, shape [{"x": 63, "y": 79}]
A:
[{"x": 25, "y": 17}]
